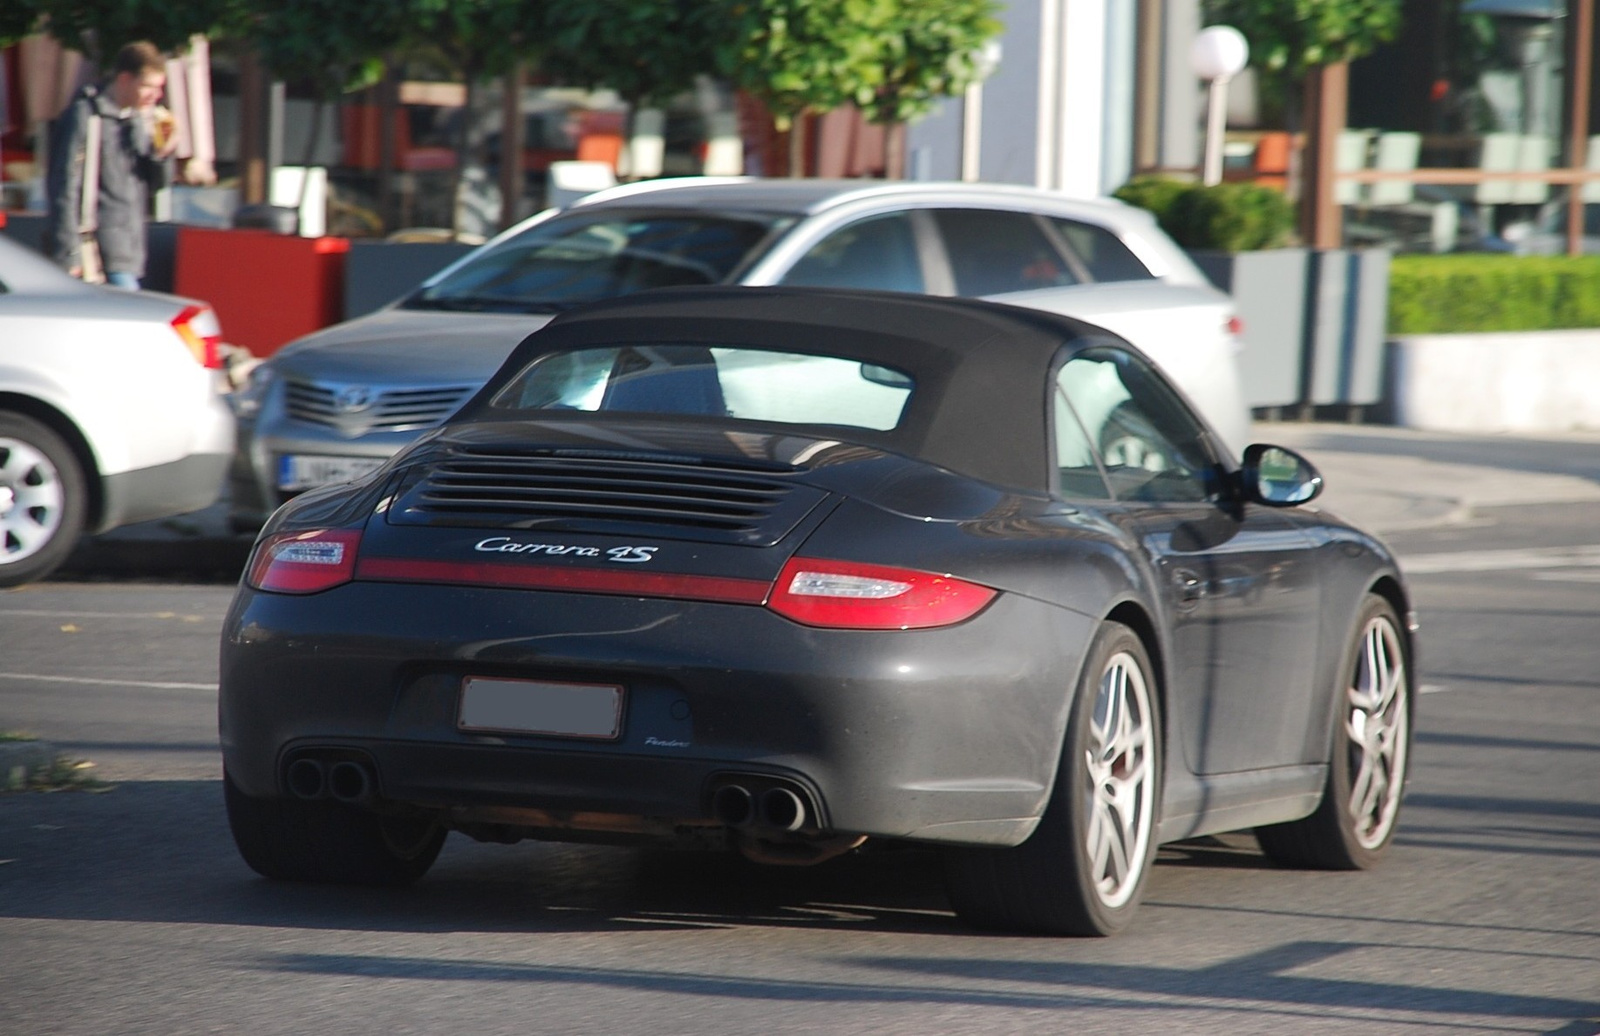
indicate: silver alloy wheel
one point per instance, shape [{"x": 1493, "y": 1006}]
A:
[
  {"x": 32, "y": 501},
  {"x": 1377, "y": 729},
  {"x": 1121, "y": 782}
]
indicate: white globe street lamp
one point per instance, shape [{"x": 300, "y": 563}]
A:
[{"x": 1219, "y": 53}]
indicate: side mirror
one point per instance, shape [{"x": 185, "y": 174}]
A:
[{"x": 1278, "y": 477}]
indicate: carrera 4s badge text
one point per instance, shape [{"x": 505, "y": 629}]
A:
[{"x": 506, "y": 545}]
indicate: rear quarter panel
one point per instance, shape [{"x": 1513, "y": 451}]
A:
[{"x": 127, "y": 382}]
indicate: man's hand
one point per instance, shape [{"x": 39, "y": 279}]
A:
[{"x": 163, "y": 131}]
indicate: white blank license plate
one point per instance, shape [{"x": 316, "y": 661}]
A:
[
  {"x": 540, "y": 707},
  {"x": 296, "y": 471}
]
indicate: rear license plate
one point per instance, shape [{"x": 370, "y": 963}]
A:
[
  {"x": 540, "y": 707},
  {"x": 297, "y": 471}
]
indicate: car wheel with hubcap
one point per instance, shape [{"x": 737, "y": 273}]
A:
[
  {"x": 1360, "y": 808},
  {"x": 1083, "y": 870},
  {"x": 322, "y": 840},
  {"x": 42, "y": 500}
]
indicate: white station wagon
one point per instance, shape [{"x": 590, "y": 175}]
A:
[{"x": 336, "y": 404}]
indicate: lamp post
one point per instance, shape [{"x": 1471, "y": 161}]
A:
[
  {"x": 984, "y": 62},
  {"x": 1219, "y": 53}
]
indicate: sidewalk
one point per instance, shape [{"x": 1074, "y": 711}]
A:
[
  {"x": 1389, "y": 479},
  {"x": 1383, "y": 478}
]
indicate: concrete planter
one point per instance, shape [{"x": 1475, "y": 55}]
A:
[
  {"x": 1523, "y": 381},
  {"x": 268, "y": 289},
  {"x": 1313, "y": 323}
]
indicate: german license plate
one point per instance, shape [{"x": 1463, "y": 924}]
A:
[
  {"x": 540, "y": 707},
  {"x": 307, "y": 471}
]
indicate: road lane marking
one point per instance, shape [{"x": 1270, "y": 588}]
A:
[
  {"x": 39, "y": 613},
  {"x": 1587, "y": 556},
  {"x": 161, "y": 685},
  {"x": 1432, "y": 688}
]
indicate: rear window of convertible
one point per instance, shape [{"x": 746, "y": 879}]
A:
[{"x": 713, "y": 381}]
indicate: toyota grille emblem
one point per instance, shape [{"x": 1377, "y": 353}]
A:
[{"x": 353, "y": 399}]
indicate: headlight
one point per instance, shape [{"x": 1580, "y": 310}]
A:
[{"x": 247, "y": 400}]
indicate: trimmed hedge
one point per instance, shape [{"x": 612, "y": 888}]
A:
[
  {"x": 1443, "y": 294},
  {"x": 1224, "y": 217}
]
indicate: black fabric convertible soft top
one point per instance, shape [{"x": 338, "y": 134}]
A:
[{"x": 981, "y": 368}]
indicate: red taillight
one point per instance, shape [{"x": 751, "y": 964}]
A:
[
  {"x": 200, "y": 331},
  {"x": 305, "y": 562},
  {"x": 1235, "y": 326},
  {"x": 851, "y": 595}
]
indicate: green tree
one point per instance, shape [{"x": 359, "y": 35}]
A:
[
  {"x": 648, "y": 51},
  {"x": 805, "y": 56},
  {"x": 479, "y": 40},
  {"x": 1293, "y": 40},
  {"x": 928, "y": 49},
  {"x": 330, "y": 46},
  {"x": 99, "y": 28},
  {"x": 1293, "y": 36},
  {"x": 18, "y": 19}
]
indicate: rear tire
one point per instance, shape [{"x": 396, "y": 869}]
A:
[
  {"x": 1083, "y": 870},
  {"x": 1360, "y": 807},
  {"x": 326, "y": 841},
  {"x": 43, "y": 500}
]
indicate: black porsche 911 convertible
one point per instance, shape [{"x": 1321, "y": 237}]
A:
[{"x": 790, "y": 570}]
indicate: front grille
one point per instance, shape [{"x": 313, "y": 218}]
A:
[
  {"x": 691, "y": 499},
  {"x": 391, "y": 410}
]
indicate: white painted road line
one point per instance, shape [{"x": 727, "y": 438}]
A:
[
  {"x": 160, "y": 685},
  {"x": 1575, "y": 576},
  {"x": 1502, "y": 560},
  {"x": 1432, "y": 688},
  {"x": 45, "y": 614}
]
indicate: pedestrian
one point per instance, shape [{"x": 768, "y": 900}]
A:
[{"x": 108, "y": 151}]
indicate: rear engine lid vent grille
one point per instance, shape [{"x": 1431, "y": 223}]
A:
[{"x": 590, "y": 491}]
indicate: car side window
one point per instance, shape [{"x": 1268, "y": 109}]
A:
[
  {"x": 993, "y": 252},
  {"x": 1077, "y": 467},
  {"x": 1153, "y": 449},
  {"x": 878, "y": 253},
  {"x": 1103, "y": 254}
]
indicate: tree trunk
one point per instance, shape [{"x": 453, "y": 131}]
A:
[
  {"x": 894, "y": 150},
  {"x": 1327, "y": 87},
  {"x": 797, "y": 146},
  {"x": 388, "y": 103},
  {"x": 511, "y": 140}
]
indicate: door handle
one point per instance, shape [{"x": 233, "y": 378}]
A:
[{"x": 1191, "y": 588}]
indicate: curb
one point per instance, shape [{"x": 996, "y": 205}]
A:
[{"x": 202, "y": 558}]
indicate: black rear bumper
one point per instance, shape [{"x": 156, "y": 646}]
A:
[{"x": 948, "y": 735}]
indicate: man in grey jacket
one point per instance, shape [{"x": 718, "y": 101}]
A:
[{"x": 132, "y": 164}]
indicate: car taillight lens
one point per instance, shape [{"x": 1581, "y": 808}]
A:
[
  {"x": 305, "y": 562},
  {"x": 200, "y": 331},
  {"x": 852, "y": 595}
]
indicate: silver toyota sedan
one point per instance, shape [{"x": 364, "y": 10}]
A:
[{"x": 336, "y": 404}]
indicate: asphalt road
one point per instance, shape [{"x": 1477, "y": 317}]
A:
[{"x": 129, "y": 912}]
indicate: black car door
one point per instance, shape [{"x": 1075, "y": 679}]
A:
[{"x": 1237, "y": 580}]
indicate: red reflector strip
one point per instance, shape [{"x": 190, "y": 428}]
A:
[{"x": 578, "y": 580}]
